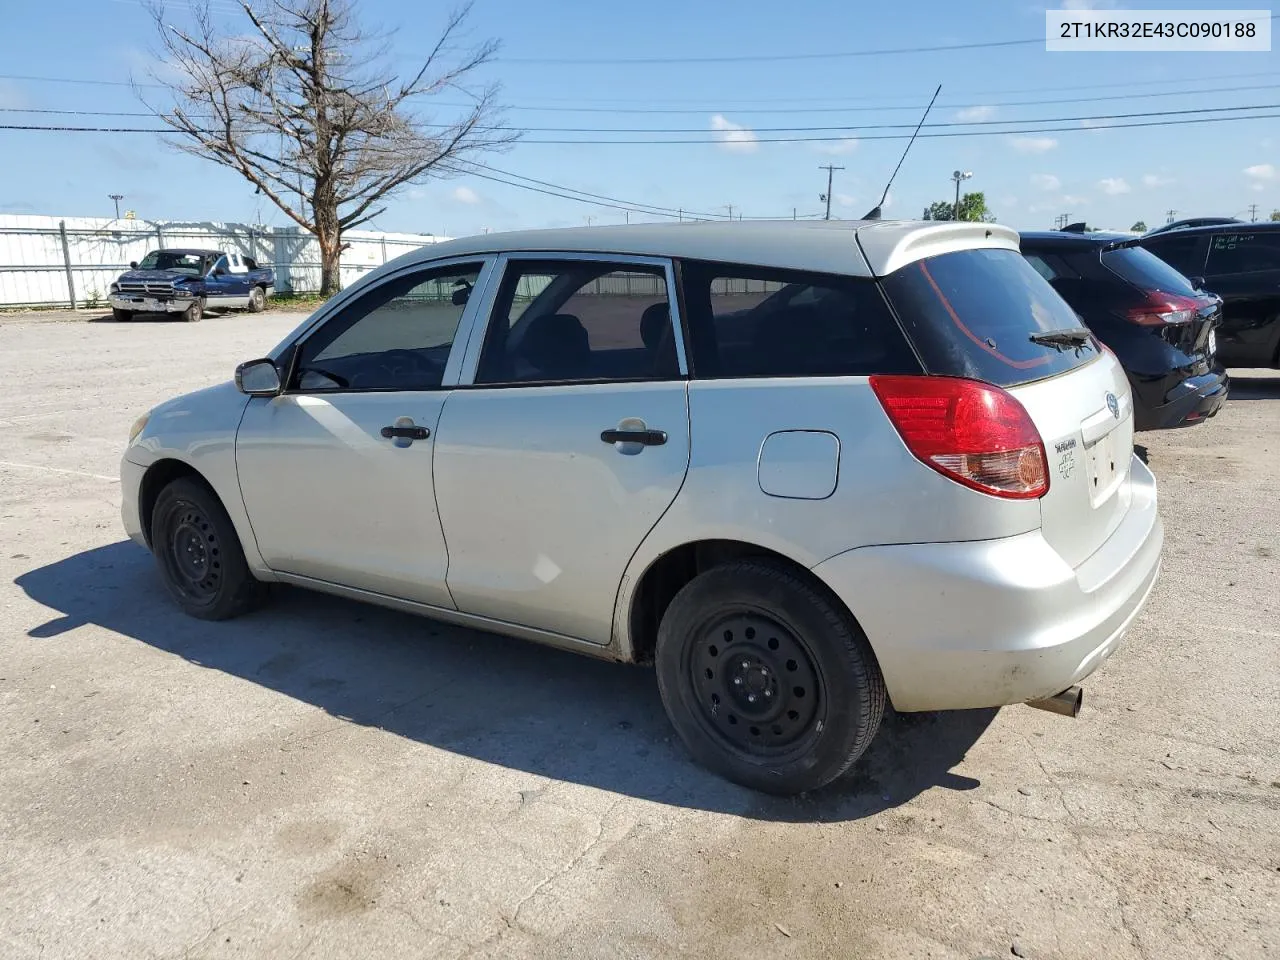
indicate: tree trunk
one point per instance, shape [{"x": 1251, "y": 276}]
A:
[{"x": 330, "y": 263}]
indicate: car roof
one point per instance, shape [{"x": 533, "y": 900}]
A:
[
  {"x": 195, "y": 250},
  {"x": 1244, "y": 226},
  {"x": 1058, "y": 238},
  {"x": 851, "y": 247}
]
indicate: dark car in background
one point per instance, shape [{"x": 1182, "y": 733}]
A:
[
  {"x": 1240, "y": 262},
  {"x": 1161, "y": 328}
]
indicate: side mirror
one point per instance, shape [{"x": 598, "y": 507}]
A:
[
  {"x": 258, "y": 378},
  {"x": 1197, "y": 282},
  {"x": 133, "y": 264}
]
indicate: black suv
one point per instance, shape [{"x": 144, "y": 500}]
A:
[
  {"x": 1158, "y": 324},
  {"x": 1240, "y": 262}
]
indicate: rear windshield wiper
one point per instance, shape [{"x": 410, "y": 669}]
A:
[{"x": 1064, "y": 337}]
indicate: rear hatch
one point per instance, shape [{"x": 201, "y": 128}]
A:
[
  {"x": 973, "y": 313},
  {"x": 1184, "y": 317}
]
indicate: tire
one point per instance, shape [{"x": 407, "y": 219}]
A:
[
  {"x": 121, "y": 316},
  {"x": 751, "y": 626},
  {"x": 257, "y": 300},
  {"x": 195, "y": 312},
  {"x": 200, "y": 558}
]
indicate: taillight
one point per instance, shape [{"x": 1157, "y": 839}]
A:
[
  {"x": 969, "y": 431},
  {"x": 1163, "y": 308}
]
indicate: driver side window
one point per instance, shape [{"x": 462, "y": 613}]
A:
[{"x": 395, "y": 337}]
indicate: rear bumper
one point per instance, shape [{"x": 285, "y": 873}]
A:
[
  {"x": 993, "y": 622},
  {"x": 1188, "y": 402}
]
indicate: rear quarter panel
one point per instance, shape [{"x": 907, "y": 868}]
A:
[{"x": 882, "y": 493}]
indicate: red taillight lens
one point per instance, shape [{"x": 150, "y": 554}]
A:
[
  {"x": 969, "y": 431},
  {"x": 1163, "y": 308}
]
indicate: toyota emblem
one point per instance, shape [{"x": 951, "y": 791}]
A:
[{"x": 1113, "y": 405}]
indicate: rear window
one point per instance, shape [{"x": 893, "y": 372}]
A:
[
  {"x": 1144, "y": 269},
  {"x": 972, "y": 314}
]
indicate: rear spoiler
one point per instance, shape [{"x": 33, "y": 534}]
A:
[{"x": 1122, "y": 243}]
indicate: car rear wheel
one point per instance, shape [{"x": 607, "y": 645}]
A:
[
  {"x": 257, "y": 300},
  {"x": 121, "y": 316},
  {"x": 194, "y": 313},
  {"x": 766, "y": 680},
  {"x": 200, "y": 557}
]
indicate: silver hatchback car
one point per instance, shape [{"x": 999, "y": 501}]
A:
[{"x": 799, "y": 468}]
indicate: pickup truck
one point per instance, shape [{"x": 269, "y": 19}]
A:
[{"x": 186, "y": 282}]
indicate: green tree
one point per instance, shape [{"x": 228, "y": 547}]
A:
[
  {"x": 1139, "y": 227},
  {"x": 1275, "y": 216},
  {"x": 973, "y": 207}
]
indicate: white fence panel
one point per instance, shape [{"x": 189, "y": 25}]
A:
[{"x": 39, "y": 255}]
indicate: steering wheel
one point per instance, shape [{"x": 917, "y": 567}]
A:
[{"x": 406, "y": 365}]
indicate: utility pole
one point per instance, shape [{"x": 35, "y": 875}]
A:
[
  {"x": 627, "y": 214},
  {"x": 730, "y": 206},
  {"x": 1253, "y": 212},
  {"x": 957, "y": 176},
  {"x": 1170, "y": 214},
  {"x": 117, "y": 197},
  {"x": 827, "y": 196}
]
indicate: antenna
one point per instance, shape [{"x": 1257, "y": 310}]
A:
[{"x": 874, "y": 213}]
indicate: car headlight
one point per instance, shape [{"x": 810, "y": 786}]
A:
[{"x": 138, "y": 426}]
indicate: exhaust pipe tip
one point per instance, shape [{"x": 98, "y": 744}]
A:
[{"x": 1067, "y": 703}]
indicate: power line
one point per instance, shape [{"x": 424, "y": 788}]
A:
[
  {"x": 861, "y": 109},
  {"x": 844, "y": 129}
]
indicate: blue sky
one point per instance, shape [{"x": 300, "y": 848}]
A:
[{"x": 1108, "y": 177}]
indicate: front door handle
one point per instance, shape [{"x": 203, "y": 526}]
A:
[
  {"x": 406, "y": 433},
  {"x": 648, "y": 438}
]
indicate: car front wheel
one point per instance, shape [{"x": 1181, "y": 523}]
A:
[
  {"x": 257, "y": 300},
  {"x": 766, "y": 680},
  {"x": 121, "y": 316},
  {"x": 195, "y": 312},
  {"x": 199, "y": 554}
]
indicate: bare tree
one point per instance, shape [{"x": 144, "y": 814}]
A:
[{"x": 300, "y": 107}]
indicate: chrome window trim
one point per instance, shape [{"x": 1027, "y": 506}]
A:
[{"x": 471, "y": 361}]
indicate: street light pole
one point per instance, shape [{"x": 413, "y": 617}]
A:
[
  {"x": 957, "y": 176},
  {"x": 117, "y": 197}
]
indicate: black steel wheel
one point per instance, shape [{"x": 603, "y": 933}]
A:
[
  {"x": 757, "y": 685},
  {"x": 766, "y": 678},
  {"x": 199, "y": 553}
]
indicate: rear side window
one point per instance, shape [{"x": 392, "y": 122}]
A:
[
  {"x": 1244, "y": 253},
  {"x": 1145, "y": 270},
  {"x": 972, "y": 313},
  {"x": 757, "y": 322},
  {"x": 1181, "y": 253}
]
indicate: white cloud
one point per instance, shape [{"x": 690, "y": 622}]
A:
[
  {"x": 734, "y": 136},
  {"x": 416, "y": 193},
  {"x": 1114, "y": 186},
  {"x": 465, "y": 195},
  {"x": 1045, "y": 181},
  {"x": 974, "y": 114},
  {"x": 1033, "y": 144},
  {"x": 1156, "y": 180},
  {"x": 836, "y": 148},
  {"x": 844, "y": 199},
  {"x": 1073, "y": 201},
  {"x": 1262, "y": 172}
]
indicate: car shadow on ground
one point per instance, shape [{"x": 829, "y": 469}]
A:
[
  {"x": 1254, "y": 388},
  {"x": 503, "y": 701}
]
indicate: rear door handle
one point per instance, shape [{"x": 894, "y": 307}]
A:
[
  {"x": 406, "y": 433},
  {"x": 648, "y": 438}
]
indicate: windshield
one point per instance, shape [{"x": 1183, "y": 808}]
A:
[
  {"x": 192, "y": 264},
  {"x": 1144, "y": 269},
  {"x": 972, "y": 313}
]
